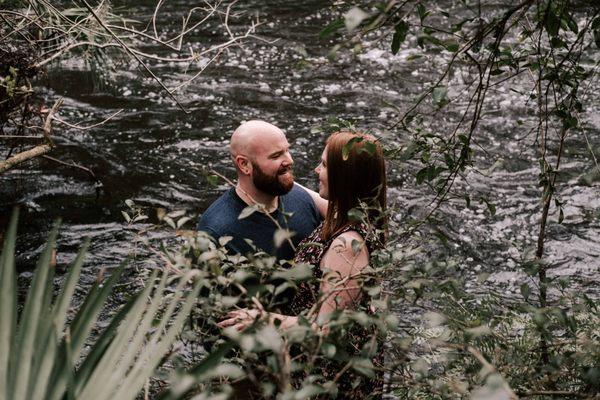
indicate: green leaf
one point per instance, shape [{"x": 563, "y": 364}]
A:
[
  {"x": 451, "y": 45},
  {"x": 368, "y": 147},
  {"x": 309, "y": 391},
  {"x": 58, "y": 318},
  {"x": 356, "y": 214},
  {"x": 64, "y": 298},
  {"x": 364, "y": 366},
  {"x": 198, "y": 373},
  {"x": 356, "y": 245},
  {"x": 490, "y": 206},
  {"x": 8, "y": 302},
  {"x": 298, "y": 272},
  {"x": 333, "y": 27},
  {"x": 558, "y": 43},
  {"x": 552, "y": 23},
  {"x": 354, "y": 17},
  {"x": 561, "y": 215},
  {"x": 329, "y": 350},
  {"x": 421, "y": 175},
  {"x": 248, "y": 211},
  {"x": 80, "y": 329},
  {"x": 348, "y": 146},
  {"x": 29, "y": 332},
  {"x": 571, "y": 23},
  {"x": 400, "y": 32},
  {"x": 99, "y": 348},
  {"x": 440, "y": 96},
  {"x": 525, "y": 291},
  {"x": 282, "y": 235},
  {"x": 212, "y": 180},
  {"x": 423, "y": 13},
  {"x": 158, "y": 345}
]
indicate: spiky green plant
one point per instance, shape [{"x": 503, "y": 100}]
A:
[{"x": 41, "y": 355}]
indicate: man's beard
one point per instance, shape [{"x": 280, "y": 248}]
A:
[{"x": 276, "y": 185}]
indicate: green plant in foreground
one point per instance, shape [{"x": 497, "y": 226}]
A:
[{"x": 43, "y": 357}]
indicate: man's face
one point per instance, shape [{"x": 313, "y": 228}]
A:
[{"x": 272, "y": 166}]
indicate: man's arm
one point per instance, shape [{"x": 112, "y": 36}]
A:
[{"x": 320, "y": 202}]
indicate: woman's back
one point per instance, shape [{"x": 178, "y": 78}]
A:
[{"x": 312, "y": 296}]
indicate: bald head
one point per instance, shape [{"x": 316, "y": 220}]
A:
[{"x": 248, "y": 137}]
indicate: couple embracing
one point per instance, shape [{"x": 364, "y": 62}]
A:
[{"x": 351, "y": 175}]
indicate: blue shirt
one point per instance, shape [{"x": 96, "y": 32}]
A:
[{"x": 296, "y": 212}]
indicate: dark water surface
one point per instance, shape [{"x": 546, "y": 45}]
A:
[{"x": 153, "y": 152}]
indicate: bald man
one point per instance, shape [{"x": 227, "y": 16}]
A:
[{"x": 260, "y": 153}]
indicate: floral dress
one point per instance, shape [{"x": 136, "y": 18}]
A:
[{"x": 350, "y": 384}]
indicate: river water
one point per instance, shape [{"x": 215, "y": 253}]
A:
[{"x": 154, "y": 153}]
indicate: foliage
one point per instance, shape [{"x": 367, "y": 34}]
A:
[
  {"x": 263, "y": 359},
  {"x": 46, "y": 351}
]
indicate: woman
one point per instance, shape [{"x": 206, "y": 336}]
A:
[{"x": 351, "y": 177}]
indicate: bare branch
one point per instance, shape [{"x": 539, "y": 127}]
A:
[
  {"x": 85, "y": 128},
  {"x": 24, "y": 156},
  {"x": 133, "y": 53},
  {"x": 47, "y": 128},
  {"x": 72, "y": 164}
]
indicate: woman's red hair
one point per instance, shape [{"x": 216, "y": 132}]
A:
[{"x": 355, "y": 175}]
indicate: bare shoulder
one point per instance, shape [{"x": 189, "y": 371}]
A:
[{"x": 348, "y": 252}]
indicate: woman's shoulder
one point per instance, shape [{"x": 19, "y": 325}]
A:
[
  {"x": 350, "y": 242},
  {"x": 348, "y": 236},
  {"x": 348, "y": 252}
]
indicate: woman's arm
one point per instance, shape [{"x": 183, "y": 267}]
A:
[
  {"x": 320, "y": 202},
  {"x": 342, "y": 263}
]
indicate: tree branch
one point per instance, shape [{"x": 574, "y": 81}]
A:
[{"x": 24, "y": 156}]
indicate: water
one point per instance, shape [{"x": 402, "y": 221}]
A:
[{"x": 154, "y": 153}]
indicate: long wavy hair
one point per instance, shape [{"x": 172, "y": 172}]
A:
[{"x": 356, "y": 178}]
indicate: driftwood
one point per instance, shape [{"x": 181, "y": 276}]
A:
[
  {"x": 37, "y": 150},
  {"x": 24, "y": 156}
]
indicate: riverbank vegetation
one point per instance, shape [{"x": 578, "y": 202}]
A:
[
  {"x": 447, "y": 334},
  {"x": 37, "y": 35}
]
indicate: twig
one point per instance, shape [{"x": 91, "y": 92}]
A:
[
  {"x": 21, "y": 137},
  {"x": 72, "y": 164},
  {"x": 47, "y": 128},
  {"x": 134, "y": 55},
  {"x": 67, "y": 48},
  {"x": 84, "y": 128}
]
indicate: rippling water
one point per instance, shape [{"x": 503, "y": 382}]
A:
[{"x": 153, "y": 152}]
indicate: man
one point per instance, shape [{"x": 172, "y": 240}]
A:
[{"x": 260, "y": 153}]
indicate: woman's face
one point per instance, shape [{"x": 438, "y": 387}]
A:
[{"x": 321, "y": 171}]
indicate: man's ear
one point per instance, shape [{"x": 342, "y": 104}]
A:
[{"x": 243, "y": 164}]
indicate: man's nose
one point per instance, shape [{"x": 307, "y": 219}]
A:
[{"x": 288, "y": 159}]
